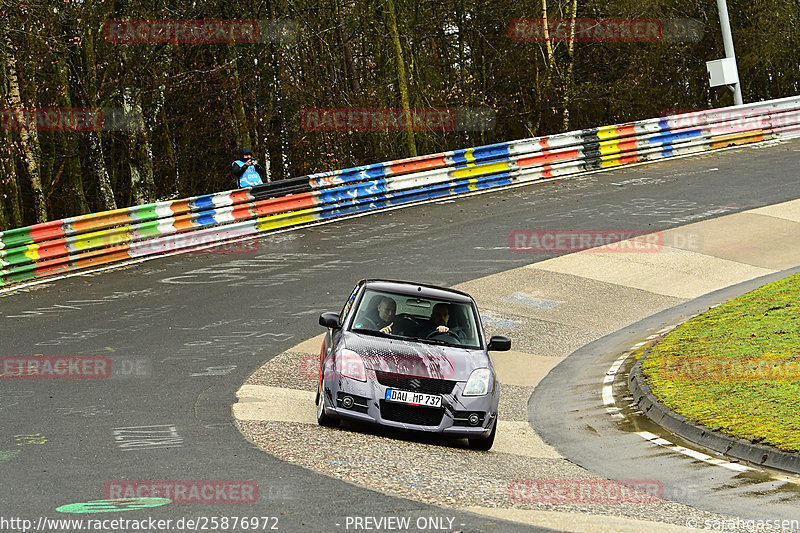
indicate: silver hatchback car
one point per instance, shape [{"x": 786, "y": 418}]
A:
[{"x": 412, "y": 357}]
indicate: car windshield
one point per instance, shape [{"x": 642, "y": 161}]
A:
[{"x": 423, "y": 319}]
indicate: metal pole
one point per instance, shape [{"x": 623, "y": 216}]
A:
[{"x": 727, "y": 40}]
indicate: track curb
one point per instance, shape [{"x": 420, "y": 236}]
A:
[{"x": 692, "y": 431}]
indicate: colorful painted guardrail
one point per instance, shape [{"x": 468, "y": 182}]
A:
[{"x": 116, "y": 236}]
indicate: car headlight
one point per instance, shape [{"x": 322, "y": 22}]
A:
[
  {"x": 478, "y": 382},
  {"x": 350, "y": 365}
]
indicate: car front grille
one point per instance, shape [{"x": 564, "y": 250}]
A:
[
  {"x": 408, "y": 414},
  {"x": 415, "y": 384}
]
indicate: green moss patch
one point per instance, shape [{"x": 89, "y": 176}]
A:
[{"x": 736, "y": 368}]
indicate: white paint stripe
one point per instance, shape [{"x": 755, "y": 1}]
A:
[{"x": 608, "y": 396}]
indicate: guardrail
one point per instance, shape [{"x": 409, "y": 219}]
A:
[{"x": 115, "y": 236}]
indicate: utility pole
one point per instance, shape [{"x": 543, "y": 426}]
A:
[{"x": 727, "y": 40}]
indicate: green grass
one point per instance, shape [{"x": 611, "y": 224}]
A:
[{"x": 736, "y": 368}]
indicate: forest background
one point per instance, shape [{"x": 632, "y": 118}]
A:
[{"x": 188, "y": 104}]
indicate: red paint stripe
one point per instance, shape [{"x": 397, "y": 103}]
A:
[
  {"x": 241, "y": 196},
  {"x": 544, "y": 142},
  {"x": 242, "y": 213},
  {"x": 106, "y": 255},
  {"x": 53, "y": 249},
  {"x": 547, "y": 157},
  {"x": 55, "y": 269},
  {"x": 627, "y": 146},
  {"x": 281, "y": 205},
  {"x": 625, "y": 131},
  {"x": 101, "y": 220},
  {"x": 47, "y": 230},
  {"x": 416, "y": 166},
  {"x": 628, "y": 159}
]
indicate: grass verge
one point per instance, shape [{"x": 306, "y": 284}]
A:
[{"x": 736, "y": 368}]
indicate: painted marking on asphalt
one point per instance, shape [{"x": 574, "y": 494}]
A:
[
  {"x": 532, "y": 300},
  {"x": 148, "y": 437},
  {"x": 113, "y": 505},
  {"x": 655, "y": 439}
]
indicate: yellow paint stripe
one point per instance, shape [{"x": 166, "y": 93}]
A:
[
  {"x": 283, "y": 220},
  {"x": 469, "y": 155},
  {"x": 607, "y": 132},
  {"x": 609, "y": 147},
  {"x": 479, "y": 170},
  {"x": 722, "y": 141},
  {"x": 33, "y": 252},
  {"x": 102, "y": 238}
]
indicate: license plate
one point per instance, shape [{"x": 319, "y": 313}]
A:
[{"x": 413, "y": 398}]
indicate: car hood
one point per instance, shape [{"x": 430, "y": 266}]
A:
[{"x": 415, "y": 359}]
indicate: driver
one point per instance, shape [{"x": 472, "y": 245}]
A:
[{"x": 440, "y": 316}]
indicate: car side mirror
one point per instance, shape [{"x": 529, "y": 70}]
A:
[
  {"x": 498, "y": 343},
  {"x": 329, "y": 320}
]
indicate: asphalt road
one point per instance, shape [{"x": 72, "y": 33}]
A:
[{"x": 186, "y": 331}]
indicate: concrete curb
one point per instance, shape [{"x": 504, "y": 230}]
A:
[{"x": 717, "y": 441}]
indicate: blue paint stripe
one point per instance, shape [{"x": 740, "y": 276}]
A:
[
  {"x": 480, "y": 164},
  {"x": 204, "y": 202},
  {"x": 206, "y": 219},
  {"x": 674, "y": 138}
]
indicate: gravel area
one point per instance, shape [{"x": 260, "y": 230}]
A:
[
  {"x": 289, "y": 370},
  {"x": 443, "y": 473}
]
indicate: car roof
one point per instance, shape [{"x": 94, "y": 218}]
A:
[{"x": 410, "y": 288}]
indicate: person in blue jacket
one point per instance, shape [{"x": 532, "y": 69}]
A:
[{"x": 247, "y": 172}]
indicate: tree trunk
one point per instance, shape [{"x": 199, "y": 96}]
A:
[
  {"x": 10, "y": 210},
  {"x": 239, "y": 113},
  {"x": 140, "y": 152},
  {"x": 97, "y": 162},
  {"x": 551, "y": 60},
  {"x": 280, "y": 99},
  {"x": 402, "y": 83},
  {"x": 570, "y": 64},
  {"x": 29, "y": 141},
  {"x": 70, "y": 144}
]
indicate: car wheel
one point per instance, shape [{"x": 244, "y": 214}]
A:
[
  {"x": 484, "y": 443},
  {"x": 322, "y": 418}
]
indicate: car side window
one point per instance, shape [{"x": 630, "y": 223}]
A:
[{"x": 349, "y": 303}]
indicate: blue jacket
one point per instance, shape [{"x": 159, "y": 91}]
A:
[{"x": 247, "y": 176}]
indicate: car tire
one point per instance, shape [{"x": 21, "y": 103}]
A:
[
  {"x": 484, "y": 443},
  {"x": 322, "y": 418}
]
